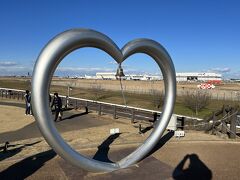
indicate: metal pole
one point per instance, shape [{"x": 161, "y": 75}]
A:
[{"x": 68, "y": 91}]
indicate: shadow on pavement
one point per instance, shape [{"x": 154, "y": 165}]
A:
[
  {"x": 146, "y": 129},
  {"x": 161, "y": 143},
  {"x": 4, "y": 154},
  {"x": 27, "y": 166},
  {"x": 103, "y": 149},
  {"x": 63, "y": 110},
  {"x": 74, "y": 116},
  {"x": 20, "y": 105},
  {"x": 195, "y": 170},
  {"x": 29, "y": 131},
  {"x": 32, "y": 131}
]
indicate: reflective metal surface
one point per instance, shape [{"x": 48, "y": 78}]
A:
[{"x": 67, "y": 42}]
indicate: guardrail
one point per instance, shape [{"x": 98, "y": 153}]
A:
[{"x": 115, "y": 110}]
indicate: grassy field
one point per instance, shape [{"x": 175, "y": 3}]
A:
[{"x": 137, "y": 100}]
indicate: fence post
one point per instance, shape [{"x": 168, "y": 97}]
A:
[
  {"x": 76, "y": 104},
  {"x": 114, "y": 112},
  {"x": 233, "y": 125},
  {"x": 67, "y": 102},
  {"x": 140, "y": 129},
  {"x": 224, "y": 125},
  {"x": 22, "y": 95},
  {"x": 62, "y": 99},
  {"x": 86, "y": 109},
  {"x": 214, "y": 121},
  {"x": 155, "y": 117},
  {"x": 99, "y": 109},
  {"x": 132, "y": 120}
]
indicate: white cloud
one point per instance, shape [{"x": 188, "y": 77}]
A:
[
  {"x": 69, "y": 71},
  {"x": 7, "y": 63},
  {"x": 14, "y": 70},
  {"x": 234, "y": 75},
  {"x": 112, "y": 62},
  {"x": 11, "y": 68},
  {"x": 83, "y": 69},
  {"x": 221, "y": 70}
]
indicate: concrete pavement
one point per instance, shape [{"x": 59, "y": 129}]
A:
[{"x": 72, "y": 120}]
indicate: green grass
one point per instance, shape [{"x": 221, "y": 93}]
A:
[
  {"x": 143, "y": 101},
  {"x": 15, "y": 84},
  {"x": 137, "y": 100}
]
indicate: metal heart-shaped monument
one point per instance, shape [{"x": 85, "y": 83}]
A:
[{"x": 47, "y": 62}]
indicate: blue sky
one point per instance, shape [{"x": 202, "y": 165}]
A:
[{"x": 199, "y": 35}]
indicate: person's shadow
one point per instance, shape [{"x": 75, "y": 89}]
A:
[
  {"x": 103, "y": 149},
  {"x": 27, "y": 166},
  {"x": 5, "y": 153},
  {"x": 74, "y": 116},
  {"x": 195, "y": 170}
]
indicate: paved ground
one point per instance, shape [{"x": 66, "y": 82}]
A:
[
  {"x": 171, "y": 159},
  {"x": 46, "y": 165},
  {"x": 196, "y": 156},
  {"x": 72, "y": 120}
]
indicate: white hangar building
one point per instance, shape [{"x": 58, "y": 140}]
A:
[
  {"x": 180, "y": 77},
  {"x": 106, "y": 75},
  {"x": 111, "y": 76},
  {"x": 194, "y": 76}
]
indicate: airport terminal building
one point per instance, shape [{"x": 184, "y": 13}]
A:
[
  {"x": 202, "y": 77},
  {"x": 136, "y": 77},
  {"x": 180, "y": 77}
]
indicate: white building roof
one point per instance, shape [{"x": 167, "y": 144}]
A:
[{"x": 202, "y": 74}]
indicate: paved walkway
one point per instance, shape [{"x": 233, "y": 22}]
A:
[
  {"x": 72, "y": 120},
  {"x": 200, "y": 157},
  {"x": 47, "y": 165},
  {"x": 171, "y": 160}
]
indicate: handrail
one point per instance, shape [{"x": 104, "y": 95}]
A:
[{"x": 111, "y": 104}]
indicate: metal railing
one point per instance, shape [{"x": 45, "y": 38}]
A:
[{"x": 116, "y": 110}]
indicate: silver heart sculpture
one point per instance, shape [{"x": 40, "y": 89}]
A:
[{"x": 51, "y": 56}]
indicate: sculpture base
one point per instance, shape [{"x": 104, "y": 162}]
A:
[{"x": 149, "y": 168}]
